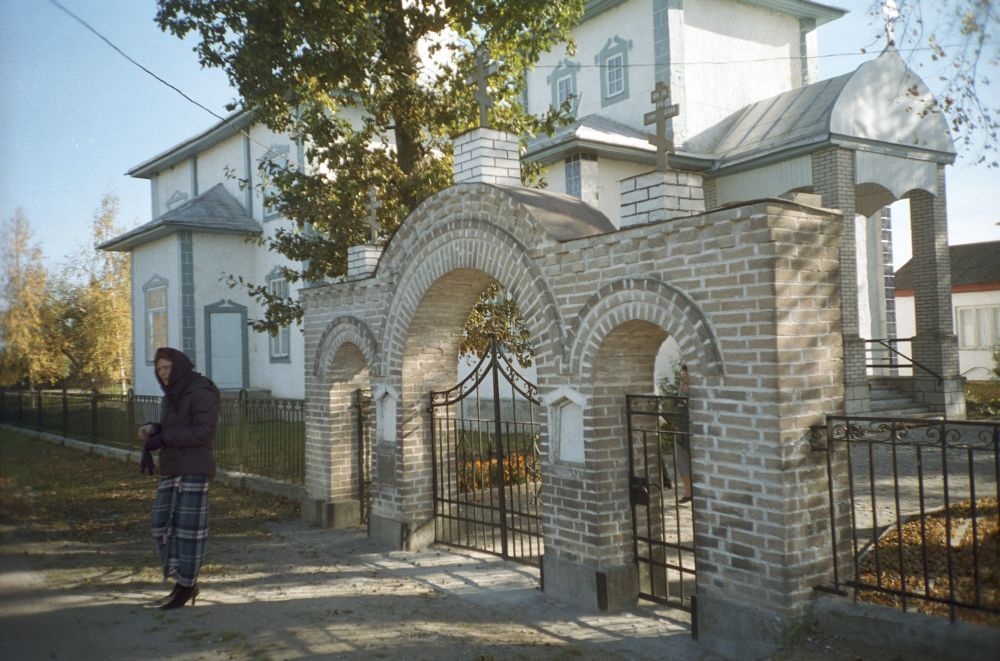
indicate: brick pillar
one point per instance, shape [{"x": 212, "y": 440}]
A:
[
  {"x": 362, "y": 260},
  {"x": 833, "y": 179},
  {"x": 654, "y": 196},
  {"x": 935, "y": 345},
  {"x": 487, "y": 156},
  {"x": 762, "y": 539}
]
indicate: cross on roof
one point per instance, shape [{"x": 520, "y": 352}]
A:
[
  {"x": 373, "y": 206},
  {"x": 891, "y": 11},
  {"x": 664, "y": 140},
  {"x": 480, "y": 76}
]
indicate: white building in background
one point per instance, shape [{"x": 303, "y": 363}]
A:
[
  {"x": 203, "y": 219},
  {"x": 975, "y": 298}
]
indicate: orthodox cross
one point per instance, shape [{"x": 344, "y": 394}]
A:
[
  {"x": 891, "y": 11},
  {"x": 665, "y": 110},
  {"x": 480, "y": 76},
  {"x": 373, "y": 206}
]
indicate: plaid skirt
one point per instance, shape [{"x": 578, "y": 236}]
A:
[{"x": 180, "y": 526}]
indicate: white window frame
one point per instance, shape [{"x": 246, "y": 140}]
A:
[
  {"x": 978, "y": 326},
  {"x": 280, "y": 345},
  {"x": 614, "y": 80},
  {"x": 157, "y": 317},
  {"x": 574, "y": 176}
]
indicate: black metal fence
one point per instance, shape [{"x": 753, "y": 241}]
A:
[
  {"x": 914, "y": 518},
  {"x": 261, "y": 436}
]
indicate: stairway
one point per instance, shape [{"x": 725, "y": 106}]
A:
[{"x": 890, "y": 401}]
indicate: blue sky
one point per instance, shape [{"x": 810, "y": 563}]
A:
[{"x": 75, "y": 115}]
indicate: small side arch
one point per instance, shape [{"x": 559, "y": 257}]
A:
[
  {"x": 651, "y": 300},
  {"x": 341, "y": 331}
]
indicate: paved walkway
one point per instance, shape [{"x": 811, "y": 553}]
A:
[{"x": 307, "y": 593}]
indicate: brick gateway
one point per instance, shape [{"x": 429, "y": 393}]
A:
[{"x": 750, "y": 292}]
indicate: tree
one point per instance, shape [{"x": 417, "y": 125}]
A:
[
  {"x": 94, "y": 308},
  {"x": 960, "y": 36},
  {"x": 27, "y": 357},
  {"x": 375, "y": 89}
]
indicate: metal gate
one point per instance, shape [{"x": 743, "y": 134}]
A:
[
  {"x": 363, "y": 437},
  {"x": 662, "y": 527},
  {"x": 486, "y": 470}
]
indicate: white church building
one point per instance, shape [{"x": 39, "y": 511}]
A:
[{"x": 746, "y": 119}]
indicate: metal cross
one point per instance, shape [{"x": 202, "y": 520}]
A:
[
  {"x": 373, "y": 206},
  {"x": 664, "y": 138},
  {"x": 891, "y": 11},
  {"x": 480, "y": 76}
]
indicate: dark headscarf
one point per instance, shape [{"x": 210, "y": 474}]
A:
[{"x": 181, "y": 374}]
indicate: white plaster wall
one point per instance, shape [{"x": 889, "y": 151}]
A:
[
  {"x": 610, "y": 191},
  {"x": 972, "y": 364},
  {"x": 630, "y": 21},
  {"x": 169, "y": 181},
  {"x": 157, "y": 258},
  {"x": 213, "y": 162},
  {"x": 768, "y": 181},
  {"x": 733, "y": 54},
  {"x": 724, "y": 54}
]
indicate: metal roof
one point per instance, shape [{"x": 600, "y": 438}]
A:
[
  {"x": 213, "y": 212},
  {"x": 227, "y": 127},
  {"x": 872, "y": 105},
  {"x": 563, "y": 217},
  {"x": 596, "y": 134}
]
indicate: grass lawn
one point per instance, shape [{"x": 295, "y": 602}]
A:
[{"x": 92, "y": 506}]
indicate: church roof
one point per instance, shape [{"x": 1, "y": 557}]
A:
[
  {"x": 215, "y": 211},
  {"x": 972, "y": 264},
  {"x": 879, "y": 103},
  {"x": 592, "y": 133},
  {"x": 234, "y": 124},
  {"x": 564, "y": 217},
  {"x": 816, "y": 11}
]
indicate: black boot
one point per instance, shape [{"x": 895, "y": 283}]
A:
[
  {"x": 166, "y": 600},
  {"x": 181, "y": 597}
]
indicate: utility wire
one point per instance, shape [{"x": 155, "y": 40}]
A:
[{"x": 118, "y": 50}]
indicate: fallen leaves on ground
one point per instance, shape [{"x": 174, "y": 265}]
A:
[{"x": 962, "y": 542}]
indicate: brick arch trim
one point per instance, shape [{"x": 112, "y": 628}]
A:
[
  {"x": 490, "y": 204},
  {"x": 472, "y": 243},
  {"x": 341, "y": 331},
  {"x": 644, "y": 299}
]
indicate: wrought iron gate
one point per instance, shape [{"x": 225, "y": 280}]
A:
[
  {"x": 662, "y": 527},
  {"x": 363, "y": 433},
  {"x": 486, "y": 470}
]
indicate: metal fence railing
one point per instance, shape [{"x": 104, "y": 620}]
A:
[
  {"x": 256, "y": 435},
  {"x": 914, "y": 518}
]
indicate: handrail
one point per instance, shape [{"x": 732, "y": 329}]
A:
[{"x": 887, "y": 344}]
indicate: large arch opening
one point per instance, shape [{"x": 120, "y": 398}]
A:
[{"x": 448, "y": 453}]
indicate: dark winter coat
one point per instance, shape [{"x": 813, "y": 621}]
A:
[{"x": 188, "y": 417}]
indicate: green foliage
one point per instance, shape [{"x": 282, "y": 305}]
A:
[
  {"x": 996, "y": 361},
  {"x": 496, "y": 313},
  {"x": 375, "y": 91}
]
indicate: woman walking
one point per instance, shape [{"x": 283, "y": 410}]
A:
[{"x": 189, "y": 413}]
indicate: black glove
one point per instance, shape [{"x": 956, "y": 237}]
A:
[
  {"x": 154, "y": 442},
  {"x": 146, "y": 465}
]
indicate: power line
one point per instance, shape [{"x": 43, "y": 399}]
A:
[{"x": 118, "y": 50}]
